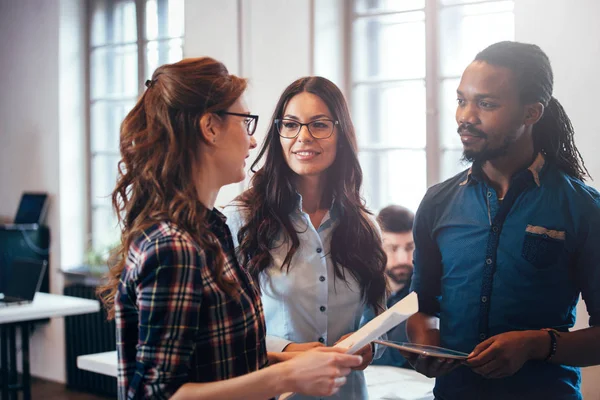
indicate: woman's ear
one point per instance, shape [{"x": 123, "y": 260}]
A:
[{"x": 210, "y": 126}]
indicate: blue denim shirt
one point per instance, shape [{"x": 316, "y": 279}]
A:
[{"x": 486, "y": 266}]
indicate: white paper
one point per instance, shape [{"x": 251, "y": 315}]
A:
[
  {"x": 381, "y": 324},
  {"x": 377, "y": 327}
]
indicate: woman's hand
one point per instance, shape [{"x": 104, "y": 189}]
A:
[
  {"x": 365, "y": 352},
  {"x": 302, "y": 346},
  {"x": 319, "y": 372},
  {"x": 277, "y": 357}
]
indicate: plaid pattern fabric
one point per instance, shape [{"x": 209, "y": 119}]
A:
[{"x": 174, "y": 325}]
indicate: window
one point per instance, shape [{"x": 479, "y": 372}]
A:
[
  {"x": 129, "y": 39},
  {"x": 406, "y": 60}
]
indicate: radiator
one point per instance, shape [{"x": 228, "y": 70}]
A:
[{"x": 88, "y": 334}]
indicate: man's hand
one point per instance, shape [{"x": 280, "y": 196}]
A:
[
  {"x": 503, "y": 355},
  {"x": 431, "y": 367},
  {"x": 302, "y": 346},
  {"x": 365, "y": 352}
]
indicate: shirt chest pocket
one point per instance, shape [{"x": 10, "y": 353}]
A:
[{"x": 542, "y": 247}]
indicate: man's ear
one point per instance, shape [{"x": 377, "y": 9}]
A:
[
  {"x": 210, "y": 127},
  {"x": 533, "y": 113}
]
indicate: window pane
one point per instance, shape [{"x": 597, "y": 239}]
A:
[
  {"x": 104, "y": 178},
  {"x": 452, "y": 164},
  {"x": 163, "y": 52},
  {"x": 365, "y": 6},
  {"x": 114, "y": 72},
  {"x": 391, "y": 114},
  {"x": 448, "y": 125},
  {"x": 113, "y": 22},
  {"x": 164, "y": 19},
  {"x": 106, "y": 121},
  {"x": 105, "y": 232},
  {"x": 382, "y": 49},
  {"x": 466, "y": 30},
  {"x": 393, "y": 177}
]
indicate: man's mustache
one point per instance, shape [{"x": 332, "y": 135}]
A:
[
  {"x": 471, "y": 130},
  {"x": 400, "y": 268}
]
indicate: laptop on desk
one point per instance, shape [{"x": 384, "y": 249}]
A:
[{"x": 24, "y": 281}]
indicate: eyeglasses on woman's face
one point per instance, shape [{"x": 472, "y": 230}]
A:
[
  {"x": 250, "y": 120},
  {"x": 318, "y": 129}
]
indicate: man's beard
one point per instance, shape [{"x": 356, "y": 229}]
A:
[
  {"x": 485, "y": 154},
  {"x": 400, "y": 278}
]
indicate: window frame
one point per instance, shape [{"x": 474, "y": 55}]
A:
[
  {"x": 143, "y": 73},
  {"x": 434, "y": 148}
]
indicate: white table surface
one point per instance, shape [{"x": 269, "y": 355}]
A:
[
  {"x": 47, "y": 305},
  {"x": 392, "y": 383},
  {"x": 101, "y": 363},
  {"x": 383, "y": 383}
]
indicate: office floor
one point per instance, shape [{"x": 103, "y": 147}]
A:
[{"x": 41, "y": 389}]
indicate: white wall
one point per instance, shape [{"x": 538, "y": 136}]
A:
[
  {"x": 29, "y": 139},
  {"x": 39, "y": 105},
  {"x": 568, "y": 31}
]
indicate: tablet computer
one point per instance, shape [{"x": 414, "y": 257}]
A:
[{"x": 425, "y": 350}]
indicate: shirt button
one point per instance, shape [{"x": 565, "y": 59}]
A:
[
  {"x": 321, "y": 340},
  {"x": 483, "y": 299},
  {"x": 495, "y": 229},
  {"x": 488, "y": 261},
  {"x": 489, "y": 194},
  {"x": 319, "y": 249},
  {"x": 482, "y": 336},
  {"x": 322, "y": 278},
  {"x": 322, "y": 308}
]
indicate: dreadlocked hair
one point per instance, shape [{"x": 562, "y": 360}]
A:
[{"x": 553, "y": 134}]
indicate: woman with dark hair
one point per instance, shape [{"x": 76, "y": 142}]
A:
[
  {"x": 303, "y": 230},
  {"x": 189, "y": 320}
]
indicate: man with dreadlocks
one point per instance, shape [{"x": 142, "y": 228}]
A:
[{"x": 504, "y": 250}]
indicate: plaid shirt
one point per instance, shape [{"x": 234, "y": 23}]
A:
[{"x": 174, "y": 325}]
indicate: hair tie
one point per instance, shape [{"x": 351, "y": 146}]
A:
[{"x": 149, "y": 83}]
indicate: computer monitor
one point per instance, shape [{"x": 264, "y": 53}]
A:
[{"x": 32, "y": 208}]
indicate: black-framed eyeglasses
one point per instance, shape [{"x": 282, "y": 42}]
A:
[
  {"x": 251, "y": 120},
  {"x": 319, "y": 129}
]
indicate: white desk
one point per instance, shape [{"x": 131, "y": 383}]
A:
[
  {"x": 383, "y": 383},
  {"x": 392, "y": 383},
  {"x": 101, "y": 363},
  {"x": 44, "y": 306},
  {"x": 47, "y": 305}
]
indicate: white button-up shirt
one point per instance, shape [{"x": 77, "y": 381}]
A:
[{"x": 307, "y": 304}]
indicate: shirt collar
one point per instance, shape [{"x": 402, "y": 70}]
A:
[
  {"x": 334, "y": 209},
  {"x": 474, "y": 173}
]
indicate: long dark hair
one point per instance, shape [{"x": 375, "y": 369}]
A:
[
  {"x": 159, "y": 143},
  {"x": 553, "y": 133},
  {"x": 355, "y": 243}
]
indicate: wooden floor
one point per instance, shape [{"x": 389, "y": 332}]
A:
[{"x": 41, "y": 389}]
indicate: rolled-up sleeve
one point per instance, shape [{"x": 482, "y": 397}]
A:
[
  {"x": 169, "y": 299},
  {"x": 427, "y": 261}
]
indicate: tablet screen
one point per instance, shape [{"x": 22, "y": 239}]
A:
[{"x": 431, "y": 351}]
